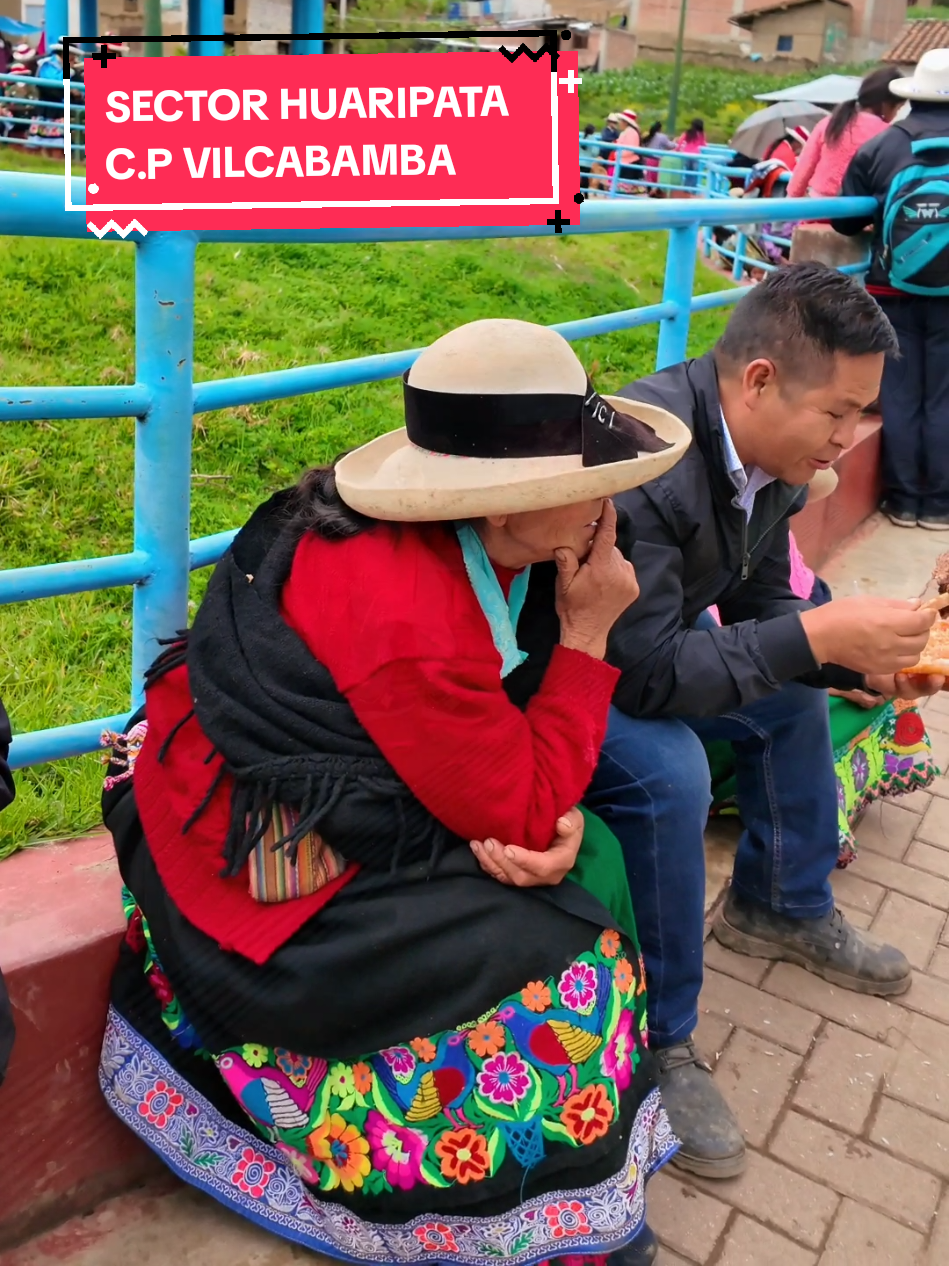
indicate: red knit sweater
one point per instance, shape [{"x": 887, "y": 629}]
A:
[{"x": 392, "y": 615}]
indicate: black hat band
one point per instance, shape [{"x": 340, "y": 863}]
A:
[{"x": 521, "y": 426}]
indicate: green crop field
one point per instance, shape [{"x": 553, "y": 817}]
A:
[{"x": 67, "y": 317}]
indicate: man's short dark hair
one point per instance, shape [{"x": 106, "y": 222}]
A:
[{"x": 801, "y": 316}]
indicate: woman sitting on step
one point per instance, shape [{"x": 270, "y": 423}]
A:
[{"x": 342, "y": 1007}]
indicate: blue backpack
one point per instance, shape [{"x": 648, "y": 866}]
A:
[{"x": 915, "y": 231}]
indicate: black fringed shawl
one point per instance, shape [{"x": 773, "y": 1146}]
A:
[{"x": 286, "y": 734}]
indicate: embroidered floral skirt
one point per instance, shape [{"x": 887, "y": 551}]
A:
[
  {"x": 877, "y": 754},
  {"x": 522, "y": 1133}
]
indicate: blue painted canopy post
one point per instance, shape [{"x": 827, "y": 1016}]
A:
[
  {"x": 680, "y": 277},
  {"x": 89, "y": 20},
  {"x": 164, "y": 335},
  {"x": 307, "y": 18},
  {"x": 56, "y": 21},
  {"x": 206, "y": 17}
]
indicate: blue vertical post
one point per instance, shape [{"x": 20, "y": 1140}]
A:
[
  {"x": 206, "y": 17},
  {"x": 680, "y": 277},
  {"x": 164, "y": 336},
  {"x": 56, "y": 21},
  {"x": 307, "y": 17},
  {"x": 89, "y": 18}
]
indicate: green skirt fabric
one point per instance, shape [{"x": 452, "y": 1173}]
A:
[
  {"x": 883, "y": 752},
  {"x": 600, "y": 869}
]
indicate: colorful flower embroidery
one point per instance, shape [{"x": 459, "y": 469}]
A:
[
  {"x": 161, "y": 986},
  {"x": 463, "y": 1155},
  {"x": 487, "y": 1039},
  {"x": 452, "y": 1107},
  {"x": 860, "y": 768},
  {"x": 623, "y": 975},
  {"x": 343, "y": 1151},
  {"x": 909, "y": 729},
  {"x": 295, "y": 1066},
  {"x": 401, "y": 1061},
  {"x": 566, "y": 1218},
  {"x": 577, "y": 987},
  {"x": 504, "y": 1079},
  {"x": 423, "y": 1048},
  {"x": 342, "y": 1082},
  {"x": 160, "y": 1104},
  {"x": 617, "y": 1058},
  {"x": 301, "y": 1165},
  {"x": 397, "y": 1152},
  {"x": 362, "y": 1078},
  {"x": 587, "y": 1115},
  {"x": 536, "y": 996},
  {"x": 253, "y": 1173},
  {"x": 435, "y": 1237},
  {"x": 134, "y": 936}
]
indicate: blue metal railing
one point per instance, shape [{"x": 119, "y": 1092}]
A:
[{"x": 165, "y": 397}]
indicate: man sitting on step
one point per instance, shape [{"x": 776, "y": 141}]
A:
[{"x": 777, "y": 399}]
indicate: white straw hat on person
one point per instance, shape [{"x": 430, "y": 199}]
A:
[
  {"x": 501, "y": 418},
  {"x": 929, "y": 81}
]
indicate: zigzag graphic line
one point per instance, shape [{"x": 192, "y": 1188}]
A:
[
  {"x": 117, "y": 228},
  {"x": 522, "y": 48}
]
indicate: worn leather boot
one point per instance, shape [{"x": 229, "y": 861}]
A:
[
  {"x": 711, "y": 1142},
  {"x": 641, "y": 1252},
  {"x": 829, "y": 947}
]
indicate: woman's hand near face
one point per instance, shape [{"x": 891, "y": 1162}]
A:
[
  {"x": 591, "y": 596},
  {"x": 526, "y": 869}
]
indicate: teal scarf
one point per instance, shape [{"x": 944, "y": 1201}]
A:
[{"x": 502, "y": 615}]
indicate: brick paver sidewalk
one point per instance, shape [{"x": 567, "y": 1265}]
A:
[{"x": 844, "y": 1100}]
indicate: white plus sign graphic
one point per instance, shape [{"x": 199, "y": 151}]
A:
[{"x": 570, "y": 81}]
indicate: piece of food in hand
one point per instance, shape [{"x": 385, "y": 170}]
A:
[
  {"x": 934, "y": 661},
  {"x": 941, "y": 572}
]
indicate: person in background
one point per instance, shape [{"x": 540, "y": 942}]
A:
[
  {"x": 586, "y": 151},
  {"x": 609, "y": 134},
  {"x": 656, "y": 139},
  {"x": 787, "y": 150},
  {"x": 914, "y": 396},
  {"x": 7, "y": 792},
  {"x": 692, "y": 142},
  {"x": 820, "y": 170},
  {"x": 628, "y": 142},
  {"x": 6, "y": 54}
]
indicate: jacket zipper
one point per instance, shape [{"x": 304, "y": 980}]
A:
[{"x": 745, "y": 555}]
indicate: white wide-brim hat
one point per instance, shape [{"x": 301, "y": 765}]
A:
[
  {"x": 930, "y": 80},
  {"x": 501, "y": 419}
]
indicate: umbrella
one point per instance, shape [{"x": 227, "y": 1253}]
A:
[
  {"x": 10, "y": 26},
  {"x": 765, "y": 127},
  {"x": 829, "y": 90}
]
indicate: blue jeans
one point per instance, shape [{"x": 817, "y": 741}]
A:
[{"x": 652, "y": 788}]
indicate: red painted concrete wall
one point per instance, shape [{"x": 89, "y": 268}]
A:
[{"x": 63, "y": 1150}]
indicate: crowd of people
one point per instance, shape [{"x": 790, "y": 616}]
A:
[
  {"x": 31, "y": 85},
  {"x": 621, "y": 142}
]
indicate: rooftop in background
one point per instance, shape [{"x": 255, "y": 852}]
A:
[
  {"x": 917, "y": 37},
  {"x": 829, "y": 90},
  {"x": 749, "y": 15}
]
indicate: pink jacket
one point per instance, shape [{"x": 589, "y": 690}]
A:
[{"x": 821, "y": 167}]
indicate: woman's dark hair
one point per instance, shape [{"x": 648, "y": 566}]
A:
[
  {"x": 653, "y": 131},
  {"x": 318, "y": 507},
  {"x": 874, "y": 93},
  {"x": 589, "y": 130},
  {"x": 696, "y": 128}
]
